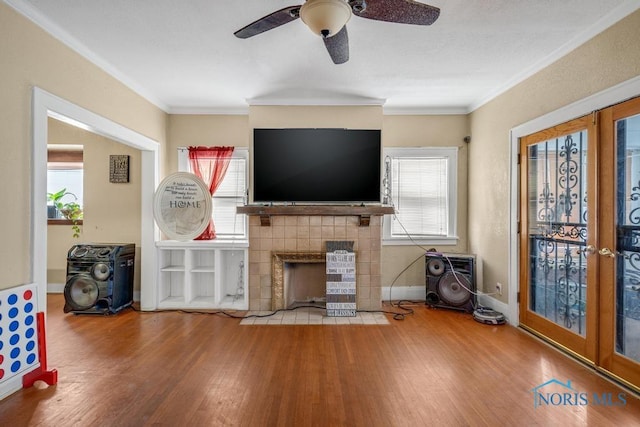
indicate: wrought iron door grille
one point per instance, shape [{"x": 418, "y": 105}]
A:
[{"x": 558, "y": 229}]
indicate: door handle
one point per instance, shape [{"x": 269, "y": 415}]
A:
[
  {"x": 588, "y": 250},
  {"x": 607, "y": 252}
]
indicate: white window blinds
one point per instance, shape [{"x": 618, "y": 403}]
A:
[
  {"x": 422, "y": 186},
  {"x": 227, "y": 197},
  {"x": 420, "y": 192}
]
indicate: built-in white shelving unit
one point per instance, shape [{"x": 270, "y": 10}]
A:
[{"x": 202, "y": 274}]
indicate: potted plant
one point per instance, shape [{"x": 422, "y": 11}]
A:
[
  {"x": 69, "y": 210},
  {"x": 56, "y": 202}
]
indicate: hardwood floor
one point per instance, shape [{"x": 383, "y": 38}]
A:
[{"x": 436, "y": 367}]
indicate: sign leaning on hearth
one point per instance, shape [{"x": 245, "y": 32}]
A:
[{"x": 341, "y": 279}]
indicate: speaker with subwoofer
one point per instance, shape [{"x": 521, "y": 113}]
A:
[
  {"x": 451, "y": 281},
  {"x": 99, "y": 278}
]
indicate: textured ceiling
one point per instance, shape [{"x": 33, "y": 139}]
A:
[{"x": 183, "y": 56}]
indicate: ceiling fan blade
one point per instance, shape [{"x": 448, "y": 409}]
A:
[
  {"x": 399, "y": 11},
  {"x": 338, "y": 46},
  {"x": 269, "y": 22}
]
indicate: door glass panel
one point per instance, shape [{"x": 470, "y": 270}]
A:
[
  {"x": 628, "y": 238},
  {"x": 557, "y": 204}
]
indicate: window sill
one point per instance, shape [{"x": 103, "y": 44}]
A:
[
  {"x": 403, "y": 241},
  {"x": 62, "y": 221},
  {"x": 215, "y": 243}
]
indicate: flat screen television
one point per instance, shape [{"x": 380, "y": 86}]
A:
[{"x": 316, "y": 166}]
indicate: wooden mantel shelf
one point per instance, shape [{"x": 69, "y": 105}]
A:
[{"x": 363, "y": 212}]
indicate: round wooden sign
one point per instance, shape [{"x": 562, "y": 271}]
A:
[{"x": 182, "y": 206}]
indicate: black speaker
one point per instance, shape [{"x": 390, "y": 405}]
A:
[
  {"x": 99, "y": 278},
  {"x": 451, "y": 281}
]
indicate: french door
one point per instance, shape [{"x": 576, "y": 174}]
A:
[
  {"x": 619, "y": 321},
  {"x": 558, "y": 233},
  {"x": 580, "y": 238}
]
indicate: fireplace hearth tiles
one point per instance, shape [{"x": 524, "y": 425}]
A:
[
  {"x": 312, "y": 316},
  {"x": 308, "y": 234}
]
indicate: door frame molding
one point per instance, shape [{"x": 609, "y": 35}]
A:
[
  {"x": 613, "y": 95},
  {"x": 45, "y": 105}
]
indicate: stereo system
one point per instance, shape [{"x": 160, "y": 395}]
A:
[
  {"x": 451, "y": 281},
  {"x": 99, "y": 278}
]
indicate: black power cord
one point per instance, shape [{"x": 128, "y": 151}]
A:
[{"x": 396, "y": 315}]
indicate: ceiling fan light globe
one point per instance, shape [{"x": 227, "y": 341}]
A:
[{"x": 325, "y": 16}]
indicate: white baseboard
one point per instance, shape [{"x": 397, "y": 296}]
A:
[
  {"x": 55, "y": 288},
  {"x": 398, "y": 293},
  {"x": 58, "y": 288},
  {"x": 499, "y": 306},
  {"x": 10, "y": 386},
  {"x": 418, "y": 293}
]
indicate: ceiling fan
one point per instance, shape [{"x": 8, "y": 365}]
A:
[{"x": 328, "y": 18}]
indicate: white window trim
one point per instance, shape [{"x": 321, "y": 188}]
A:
[
  {"x": 238, "y": 152},
  {"x": 451, "y": 153}
]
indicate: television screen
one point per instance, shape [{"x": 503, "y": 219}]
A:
[{"x": 316, "y": 165}]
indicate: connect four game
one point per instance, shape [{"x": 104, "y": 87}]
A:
[{"x": 18, "y": 331}]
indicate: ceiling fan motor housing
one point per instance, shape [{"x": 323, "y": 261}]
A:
[
  {"x": 358, "y": 5},
  {"x": 325, "y": 17},
  {"x": 328, "y": 19}
]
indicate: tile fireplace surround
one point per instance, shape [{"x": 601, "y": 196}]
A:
[{"x": 307, "y": 234}]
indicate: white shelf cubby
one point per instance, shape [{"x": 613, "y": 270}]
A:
[{"x": 202, "y": 275}]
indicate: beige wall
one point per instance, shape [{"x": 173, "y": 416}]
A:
[
  {"x": 30, "y": 57},
  {"x": 426, "y": 131},
  {"x": 111, "y": 211},
  {"x": 350, "y": 117},
  {"x": 205, "y": 130},
  {"x": 610, "y": 58},
  {"x": 398, "y": 131}
]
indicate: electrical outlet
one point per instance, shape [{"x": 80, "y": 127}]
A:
[{"x": 499, "y": 288}]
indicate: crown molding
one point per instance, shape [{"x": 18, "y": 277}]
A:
[
  {"x": 601, "y": 25},
  {"x": 32, "y": 14},
  {"x": 425, "y": 111},
  {"x": 350, "y": 101},
  {"x": 221, "y": 111},
  {"x": 57, "y": 32}
]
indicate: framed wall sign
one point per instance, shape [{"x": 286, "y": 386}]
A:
[
  {"x": 118, "y": 168},
  {"x": 182, "y": 206},
  {"x": 341, "y": 279}
]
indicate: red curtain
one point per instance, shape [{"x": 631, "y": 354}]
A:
[{"x": 210, "y": 164}]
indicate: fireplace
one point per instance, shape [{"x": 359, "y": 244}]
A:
[
  {"x": 294, "y": 279},
  {"x": 301, "y": 238}
]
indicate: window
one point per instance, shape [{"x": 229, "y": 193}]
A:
[
  {"x": 421, "y": 184},
  {"x": 230, "y": 194},
  {"x": 65, "y": 172}
]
